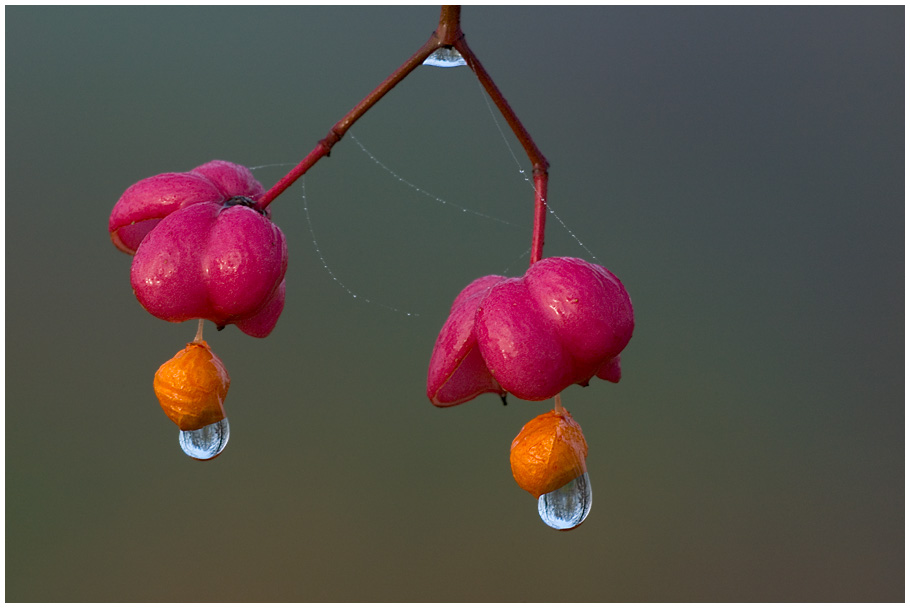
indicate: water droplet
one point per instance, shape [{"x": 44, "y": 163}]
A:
[
  {"x": 445, "y": 57},
  {"x": 207, "y": 442},
  {"x": 567, "y": 507}
]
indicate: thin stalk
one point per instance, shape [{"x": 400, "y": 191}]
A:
[{"x": 198, "y": 337}]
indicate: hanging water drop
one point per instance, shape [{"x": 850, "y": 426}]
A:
[
  {"x": 207, "y": 442},
  {"x": 567, "y": 507},
  {"x": 445, "y": 57}
]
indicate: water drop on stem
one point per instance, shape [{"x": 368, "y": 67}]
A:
[{"x": 445, "y": 57}]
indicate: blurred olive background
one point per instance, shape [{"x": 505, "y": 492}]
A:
[{"x": 740, "y": 169}]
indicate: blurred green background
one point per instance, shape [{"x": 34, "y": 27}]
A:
[{"x": 740, "y": 169}]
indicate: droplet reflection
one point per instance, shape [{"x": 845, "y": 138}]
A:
[
  {"x": 567, "y": 507},
  {"x": 207, "y": 442},
  {"x": 445, "y": 57}
]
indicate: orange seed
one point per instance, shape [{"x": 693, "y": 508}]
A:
[
  {"x": 191, "y": 387},
  {"x": 548, "y": 453}
]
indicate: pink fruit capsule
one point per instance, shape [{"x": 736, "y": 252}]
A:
[
  {"x": 564, "y": 322},
  {"x": 221, "y": 262},
  {"x": 203, "y": 249}
]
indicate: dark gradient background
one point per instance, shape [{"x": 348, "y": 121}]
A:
[{"x": 740, "y": 169}]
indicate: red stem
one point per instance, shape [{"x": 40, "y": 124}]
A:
[
  {"x": 538, "y": 161},
  {"x": 340, "y": 128},
  {"x": 540, "y": 215},
  {"x": 448, "y": 33}
]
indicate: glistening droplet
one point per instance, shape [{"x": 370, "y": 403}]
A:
[
  {"x": 567, "y": 507},
  {"x": 207, "y": 442},
  {"x": 445, "y": 57}
]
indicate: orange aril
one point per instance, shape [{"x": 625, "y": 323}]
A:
[
  {"x": 548, "y": 453},
  {"x": 191, "y": 387}
]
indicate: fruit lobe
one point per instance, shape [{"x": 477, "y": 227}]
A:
[
  {"x": 548, "y": 453},
  {"x": 457, "y": 371},
  {"x": 191, "y": 387},
  {"x": 150, "y": 200}
]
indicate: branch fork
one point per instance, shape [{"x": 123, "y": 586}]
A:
[{"x": 447, "y": 34}]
